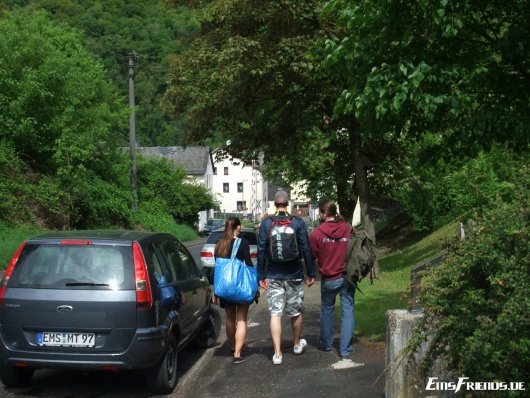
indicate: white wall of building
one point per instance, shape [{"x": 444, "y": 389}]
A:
[
  {"x": 206, "y": 179},
  {"x": 235, "y": 185}
]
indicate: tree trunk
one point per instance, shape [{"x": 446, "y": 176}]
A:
[
  {"x": 345, "y": 200},
  {"x": 361, "y": 177}
]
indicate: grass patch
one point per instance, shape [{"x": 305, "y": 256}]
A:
[
  {"x": 11, "y": 238},
  {"x": 392, "y": 289}
]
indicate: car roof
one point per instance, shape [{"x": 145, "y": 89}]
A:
[
  {"x": 111, "y": 235},
  {"x": 215, "y": 235}
]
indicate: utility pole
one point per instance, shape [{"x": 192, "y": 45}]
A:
[{"x": 132, "y": 132}]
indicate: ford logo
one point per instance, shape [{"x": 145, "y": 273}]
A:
[{"x": 65, "y": 308}]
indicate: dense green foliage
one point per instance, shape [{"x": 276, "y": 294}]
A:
[
  {"x": 60, "y": 161},
  {"x": 438, "y": 193},
  {"x": 459, "y": 69},
  {"x": 57, "y": 114},
  {"x": 436, "y": 93},
  {"x": 249, "y": 78},
  {"x": 166, "y": 189},
  {"x": 437, "y": 81},
  {"x": 477, "y": 303},
  {"x": 115, "y": 29}
]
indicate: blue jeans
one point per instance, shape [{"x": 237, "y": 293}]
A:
[{"x": 328, "y": 292}]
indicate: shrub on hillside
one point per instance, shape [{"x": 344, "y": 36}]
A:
[
  {"x": 437, "y": 194},
  {"x": 477, "y": 303}
]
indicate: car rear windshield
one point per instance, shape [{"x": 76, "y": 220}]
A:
[
  {"x": 251, "y": 237},
  {"x": 215, "y": 222},
  {"x": 74, "y": 266}
]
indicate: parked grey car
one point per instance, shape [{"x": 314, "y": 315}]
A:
[
  {"x": 103, "y": 300},
  {"x": 207, "y": 258},
  {"x": 212, "y": 225}
]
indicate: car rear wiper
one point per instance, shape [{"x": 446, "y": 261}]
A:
[{"x": 85, "y": 284}]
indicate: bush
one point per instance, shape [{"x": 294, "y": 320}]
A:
[
  {"x": 477, "y": 303},
  {"x": 437, "y": 194},
  {"x": 162, "y": 186}
]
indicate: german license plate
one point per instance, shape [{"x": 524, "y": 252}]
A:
[{"x": 63, "y": 339}]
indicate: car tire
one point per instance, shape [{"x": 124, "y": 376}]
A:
[
  {"x": 210, "y": 330},
  {"x": 14, "y": 376},
  {"x": 162, "y": 378}
]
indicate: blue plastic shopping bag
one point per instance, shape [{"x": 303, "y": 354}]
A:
[{"x": 233, "y": 280}]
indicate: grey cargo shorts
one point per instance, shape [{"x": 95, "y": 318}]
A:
[{"x": 286, "y": 297}]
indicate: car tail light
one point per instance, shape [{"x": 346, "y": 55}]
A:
[
  {"x": 143, "y": 287},
  {"x": 206, "y": 254},
  {"x": 9, "y": 270},
  {"x": 254, "y": 255},
  {"x": 110, "y": 368}
]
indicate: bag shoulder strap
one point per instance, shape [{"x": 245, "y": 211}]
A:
[{"x": 236, "y": 247}]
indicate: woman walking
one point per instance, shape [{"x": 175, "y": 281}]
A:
[
  {"x": 329, "y": 242},
  {"x": 236, "y": 314}
]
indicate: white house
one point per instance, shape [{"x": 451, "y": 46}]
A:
[{"x": 239, "y": 189}]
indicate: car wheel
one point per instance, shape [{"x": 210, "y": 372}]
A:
[
  {"x": 162, "y": 378},
  {"x": 14, "y": 376},
  {"x": 210, "y": 330}
]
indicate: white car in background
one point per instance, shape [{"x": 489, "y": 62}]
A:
[{"x": 207, "y": 258}]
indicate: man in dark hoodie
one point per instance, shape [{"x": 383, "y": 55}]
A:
[
  {"x": 329, "y": 242},
  {"x": 284, "y": 280}
]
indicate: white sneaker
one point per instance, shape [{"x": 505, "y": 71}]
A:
[
  {"x": 299, "y": 349},
  {"x": 277, "y": 359}
]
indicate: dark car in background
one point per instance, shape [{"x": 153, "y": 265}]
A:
[
  {"x": 207, "y": 257},
  {"x": 212, "y": 225},
  {"x": 103, "y": 300}
]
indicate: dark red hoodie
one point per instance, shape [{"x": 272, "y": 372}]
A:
[{"x": 329, "y": 242}]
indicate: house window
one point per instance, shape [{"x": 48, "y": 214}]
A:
[
  {"x": 241, "y": 205},
  {"x": 215, "y": 171},
  {"x": 226, "y": 188},
  {"x": 226, "y": 171},
  {"x": 239, "y": 187}
]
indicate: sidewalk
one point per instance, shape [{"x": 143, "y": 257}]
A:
[{"x": 315, "y": 373}]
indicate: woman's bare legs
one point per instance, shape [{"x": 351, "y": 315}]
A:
[
  {"x": 240, "y": 328},
  {"x": 230, "y": 311}
]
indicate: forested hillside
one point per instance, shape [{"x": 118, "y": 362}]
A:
[
  {"x": 113, "y": 30},
  {"x": 63, "y": 121}
]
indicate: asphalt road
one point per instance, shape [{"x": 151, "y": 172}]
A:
[{"x": 211, "y": 373}]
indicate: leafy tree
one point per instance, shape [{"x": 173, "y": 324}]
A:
[
  {"x": 457, "y": 70},
  {"x": 250, "y": 78},
  {"x": 52, "y": 90},
  {"x": 167, "y": 188},
  {"x": 57, "y": 113}
]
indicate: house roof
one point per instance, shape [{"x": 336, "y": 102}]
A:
[{"x": 194, "y": 159}]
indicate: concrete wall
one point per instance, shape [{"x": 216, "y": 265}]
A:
[
  {"x": 401, "y": 381},
  {"x": 402, "y": 376}
]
